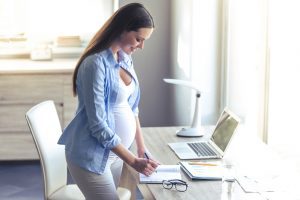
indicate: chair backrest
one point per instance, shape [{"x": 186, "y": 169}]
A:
[{"x": 45, "y": 128}]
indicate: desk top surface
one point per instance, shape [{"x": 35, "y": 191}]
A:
[{"x": 239, "y": 153}]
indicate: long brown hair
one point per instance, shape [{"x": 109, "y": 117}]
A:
[{"x": 130, "y": 17}]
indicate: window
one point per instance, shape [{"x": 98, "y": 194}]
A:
[
  {"x": 284, "y": 95},
  {"x": 243, "y": 85},
  {"x": 262, "y": 69},
  {"x": 24, "y": 23}
]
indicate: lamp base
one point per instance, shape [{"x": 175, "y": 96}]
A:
[{"x": 190, "y": 132}]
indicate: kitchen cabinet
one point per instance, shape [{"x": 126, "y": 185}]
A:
[{"x": 24, "y": 85}]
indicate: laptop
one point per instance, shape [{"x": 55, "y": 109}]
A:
[{"x": 215, "y": 146}]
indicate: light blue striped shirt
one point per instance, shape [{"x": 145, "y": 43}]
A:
[{"x": 90, "y": 136}]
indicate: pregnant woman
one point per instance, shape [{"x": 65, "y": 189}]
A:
[{"x": 106, "y": 121}]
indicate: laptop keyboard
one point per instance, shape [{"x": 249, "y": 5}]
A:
[{"x": 202, "y": 149}]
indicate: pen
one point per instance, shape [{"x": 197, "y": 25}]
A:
[
  {"x": 146, "y": 155},
  {"x": 202, "y": 164}
]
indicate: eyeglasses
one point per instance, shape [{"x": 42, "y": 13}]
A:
[{"x": 180, "y": 185}]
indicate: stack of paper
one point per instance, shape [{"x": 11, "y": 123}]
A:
[
  {"x": 202, "y": 170},
  {"x": 163, "y": 172},
  {"x": 68, "y": 41},
  {"x": 255, "y": 184}
]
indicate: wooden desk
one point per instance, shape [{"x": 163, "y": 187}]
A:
[
  {"x": 246, "y": 152},
  {"x": 156, "y": 140}
]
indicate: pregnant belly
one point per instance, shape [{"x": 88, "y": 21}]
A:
[{"x": 125, "y": 125}]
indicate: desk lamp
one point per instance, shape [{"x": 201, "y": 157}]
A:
[{"x": 195, "y": 129}]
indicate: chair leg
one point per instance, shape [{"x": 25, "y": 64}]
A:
[{"x": 123, "y": 193}]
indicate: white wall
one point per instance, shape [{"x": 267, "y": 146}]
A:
[
  {"x": 185, "y": 44},
  {"x": 196, "y": 55}
]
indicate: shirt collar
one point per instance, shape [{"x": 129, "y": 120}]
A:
[
  {"x": 124, "y": 57},
  {"x": 125, "y": 60},
  {"x": 110, "y": 57}
]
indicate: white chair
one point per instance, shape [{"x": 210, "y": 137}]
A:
[{"x": 45, "y": 128}]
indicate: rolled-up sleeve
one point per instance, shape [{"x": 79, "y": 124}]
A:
[{"x": 93, "y": 88}]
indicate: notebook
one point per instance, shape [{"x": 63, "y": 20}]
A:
[
  {"x": 202, "y": 170},
  {"x": 163, "y": 172},
  {"x": 215, "y": 146}
]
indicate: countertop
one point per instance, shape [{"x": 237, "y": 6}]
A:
[{"x": 16, "y": 66}]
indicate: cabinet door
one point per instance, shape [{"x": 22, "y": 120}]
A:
[
  {"x": 33, "y": 88},
  {"x": 18, "y": 93}
]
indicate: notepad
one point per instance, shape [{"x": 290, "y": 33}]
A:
[
  {"x": 163, "y": 172},
  {"x": 202, "y": 170}
]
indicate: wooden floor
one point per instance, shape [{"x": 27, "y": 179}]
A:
[{"x": 22, "y": 180}]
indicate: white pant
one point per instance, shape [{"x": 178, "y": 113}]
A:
[{"x": 95, "y": 186}]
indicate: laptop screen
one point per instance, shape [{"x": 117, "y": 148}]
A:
[{"x": 224, "y": 129}]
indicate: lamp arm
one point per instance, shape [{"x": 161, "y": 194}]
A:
[
  {"x": 195, "y": 130},
  {"x": 183, "y": 83}
]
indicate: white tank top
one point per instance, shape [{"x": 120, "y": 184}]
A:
[{"x": 125, "y": 123}]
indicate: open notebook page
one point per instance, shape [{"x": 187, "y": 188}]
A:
[{"x": 163, "y": 172}]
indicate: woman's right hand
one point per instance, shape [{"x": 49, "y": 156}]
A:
[{"x": 144, "y": 166}]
